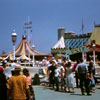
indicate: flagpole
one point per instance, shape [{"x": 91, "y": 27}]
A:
[
  {"x": 68, "y": 50},
  {"x": 82, "y": 41},
  {"x": 29, "y": 39},
  {"x": 29, "y": 30}
]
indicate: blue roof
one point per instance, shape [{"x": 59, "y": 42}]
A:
[{"x": 77, "y": 42}]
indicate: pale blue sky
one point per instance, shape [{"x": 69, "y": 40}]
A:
[{"x": 47, "y": 16}]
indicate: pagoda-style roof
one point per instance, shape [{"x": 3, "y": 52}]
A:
[{"x": 95, "y": 35}]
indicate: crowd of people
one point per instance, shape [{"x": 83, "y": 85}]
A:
[
  {"x": 66, "y": 76},
  {"x": 63, "y": 76},
  {"x": 15, "y": 85}
]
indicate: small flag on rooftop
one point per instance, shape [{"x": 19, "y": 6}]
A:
[{"x": 82, "y": 25}]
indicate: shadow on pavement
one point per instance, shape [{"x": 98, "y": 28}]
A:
[
  {"x": 97, "y": 88},
  {"x": 80, "y": 94},
  {"x": 50, "y": 88},
  {"x": 77, "y": 94}
]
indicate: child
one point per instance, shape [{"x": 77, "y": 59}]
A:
[
  {"x": 57, "y": 73},
  {"x": 29, "y": 81},
  {"x": 62, "y": 75}
]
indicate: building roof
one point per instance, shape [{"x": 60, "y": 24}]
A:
[
  {"x": 95, "y": 35},
  {"x": 73, "y": 41},
  {"x": 60, "y": 43},
  {"x": 25, "y": 49},
  {"x": 76, "y": 42}
]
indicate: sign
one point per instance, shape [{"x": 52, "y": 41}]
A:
[
  {"x": 68, "y": 52},
  {"x": 59, "y": 55},
  {"x": 79, "y": 50},
  {"x": 86, "y": 49}
]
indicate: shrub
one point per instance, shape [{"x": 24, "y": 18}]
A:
[{"x": 36, "y": 80}]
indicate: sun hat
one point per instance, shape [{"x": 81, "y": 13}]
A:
[{"x": 17, "y": 67}]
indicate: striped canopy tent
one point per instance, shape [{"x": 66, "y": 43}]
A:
[
  {"x": 1, "y": 58},
  {"x": 24, "y": 48},
  {"x": 23, "y": 57},
  {"x": 9, "y": 57}
]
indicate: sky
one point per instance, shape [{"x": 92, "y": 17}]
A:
[{"x": 46, "y": 16}]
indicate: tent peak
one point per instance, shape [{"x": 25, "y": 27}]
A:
[{"x": 24, "y": 36}]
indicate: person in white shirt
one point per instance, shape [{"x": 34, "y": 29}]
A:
[
  {"x": 11, "y": 69},
  {"x": 57, "y": 74},
  {"x": 82, "y": 71},
  {"x": 62, "y": 75},
  {"x": 13, "y": 64}
]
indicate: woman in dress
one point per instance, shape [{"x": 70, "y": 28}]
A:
[{"x": 70, "y": 82}]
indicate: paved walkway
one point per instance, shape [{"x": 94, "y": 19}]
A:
[{"x": 45, "y": 93}]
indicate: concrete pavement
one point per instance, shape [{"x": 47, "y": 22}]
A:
[{"x": 46, "y": 93}]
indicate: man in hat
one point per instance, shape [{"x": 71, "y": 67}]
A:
[
  {"x": 51, "y": 73},
  {"x": 18, "y": 88}
]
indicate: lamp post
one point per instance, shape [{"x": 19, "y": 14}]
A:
[
  {"x": 83, "y": 52},
  {"x": 93, "y": 46},
  {"x": 68, "y": 51},
  {"x": 33, "y": 53},
  {"x": 14, "y": 37}
]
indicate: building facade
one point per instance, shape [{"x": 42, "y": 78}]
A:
[{"x": 78, "y": 45}]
